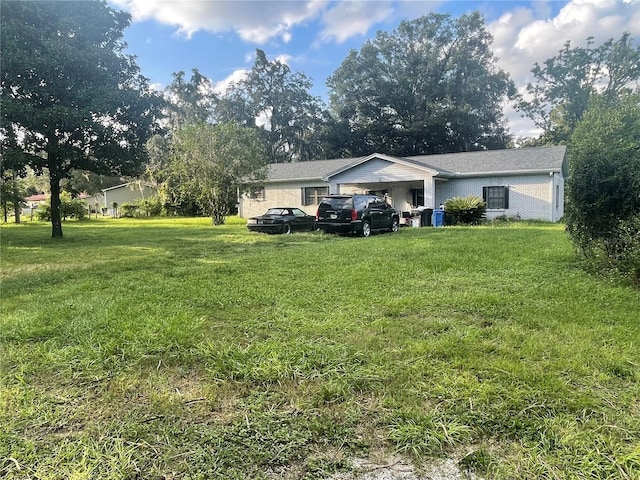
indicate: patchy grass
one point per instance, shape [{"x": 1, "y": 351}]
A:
[{"x": 168, "y": 348}]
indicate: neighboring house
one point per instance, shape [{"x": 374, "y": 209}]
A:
[
  {"x": 109, "y": 200},
  {"x": 34, "y": 201},
  {"x": 524, "y": 182}
]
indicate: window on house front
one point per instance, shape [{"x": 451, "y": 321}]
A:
[
  {"x": 313, "y": 195},
  {"x": 256, "y": 193},
  {"x": 496, "y": 197}
]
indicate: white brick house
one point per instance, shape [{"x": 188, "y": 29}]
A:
[{"x": 526, "y": 182}]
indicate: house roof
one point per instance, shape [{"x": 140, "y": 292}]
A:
[
  {"x": 401, "y": 160},
  {"x": 481, "y": 163},
  {"x": 40, "y": 197},
  {"x": 123, "y": 185},
  {"x": 523, "y": 160},
  {"x": 313, "y": 170}
]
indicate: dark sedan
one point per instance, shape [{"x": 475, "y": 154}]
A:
[{"x": 282, "y": 220}]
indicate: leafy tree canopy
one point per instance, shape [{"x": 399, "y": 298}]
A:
[
  {"x": 565, "y": 83},
  {"x": 211, "y": 163},
  {"x": 276, "y": 101},
  {"x": 71, "y": 99},
  {"x": 604, "y": 161},
  {"x": 82, "y": 181},
  {"x": 603, "y": 211},
  {"x": 189, "y": 102},
  {"x": 430, "y": 86}
]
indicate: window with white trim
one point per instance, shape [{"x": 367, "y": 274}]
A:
[{"x": 496, "y": 198}]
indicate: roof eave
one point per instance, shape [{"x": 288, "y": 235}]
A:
[
  {"x": 502, "y": 173},
  {"x": 401, "y": 160},
  {"x": 300, "y": 179}
]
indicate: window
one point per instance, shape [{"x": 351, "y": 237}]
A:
[
  {"x": 256, "y": 193},
  {"x": 496, "y": 197},
  {"x": 313, "y": 195},
  {"x": 298, "y": 213},
  {"x": 417, "y": 197}
]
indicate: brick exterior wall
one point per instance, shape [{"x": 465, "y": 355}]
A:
[
  {"x": 279, "y": 195},
  {"x": 530, "y": 197}
]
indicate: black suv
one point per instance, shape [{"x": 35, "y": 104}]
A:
[{"x": 359, "y": 214}]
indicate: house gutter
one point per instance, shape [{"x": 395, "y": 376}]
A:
[
  {"x": 503, "y": 173},
  {"x": 301, "y": 179}
]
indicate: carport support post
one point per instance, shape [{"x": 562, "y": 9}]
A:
[{"x": 429, "y": 192}]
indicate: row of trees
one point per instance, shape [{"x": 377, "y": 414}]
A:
[
  {"x": 73, "y": 102},
  {"x": 431, "y": 86}
]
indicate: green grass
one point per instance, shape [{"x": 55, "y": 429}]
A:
[{"x": 168, "y": 348}]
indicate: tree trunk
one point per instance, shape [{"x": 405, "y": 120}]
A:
[
  {"x": 54, "y": 183},
  {"x": 17, "y": 204}
]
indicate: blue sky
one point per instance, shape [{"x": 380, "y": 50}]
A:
[{"x": 219, "y": 38}]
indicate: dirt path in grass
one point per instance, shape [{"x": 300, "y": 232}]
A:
[{"x": 396, "y": 468}]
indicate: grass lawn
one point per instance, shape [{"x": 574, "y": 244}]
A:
[{"x": 168, "y": 348}]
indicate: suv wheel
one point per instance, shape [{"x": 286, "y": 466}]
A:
[
  {"x": 395, "y": 224},
  {"x": 366, "y": 228}
]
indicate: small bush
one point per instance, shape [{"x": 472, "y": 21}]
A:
[
  {"x": 143, "y": 207},
  {"x": 69, "y": 208},
  {"x": 619, "y": 252},
  {"x": 469, "y": 210},
  {"x": 151, "y": 207},
  {"x": 129, "y": 210},
  {"x": 43, "y": 212}
]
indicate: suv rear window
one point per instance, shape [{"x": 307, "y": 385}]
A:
[{"x": 338, "y": 203}]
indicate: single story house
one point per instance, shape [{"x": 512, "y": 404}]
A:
[
  {"x": 524, "y": 182},
  {"x": 34, "y": 201},
  {"x": 108, "y": 200}
]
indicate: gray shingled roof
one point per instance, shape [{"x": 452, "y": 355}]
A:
[
  {"x": 313, "y": 170},
  {"x": 490, "y": 161},
  {"x": 451, "y": 164}
]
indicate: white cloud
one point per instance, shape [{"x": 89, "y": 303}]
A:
[
  {"x": 255, "y": 21},
  {"x": 524, "y": 36},
  {"x": 283, "y": 58},
  {"x": 220, "y": 88},
  {"x": 521, "y": 38},
  {"x": 351, "y": 18}
]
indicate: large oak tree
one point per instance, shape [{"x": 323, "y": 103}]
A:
[
  {"x": 279, "y": 104},
  {"x": 430, "y": 86},
  {"x": 71, "y": 97}
]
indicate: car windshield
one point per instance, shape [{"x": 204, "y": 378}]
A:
[{"x": 276, "y": 211}]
